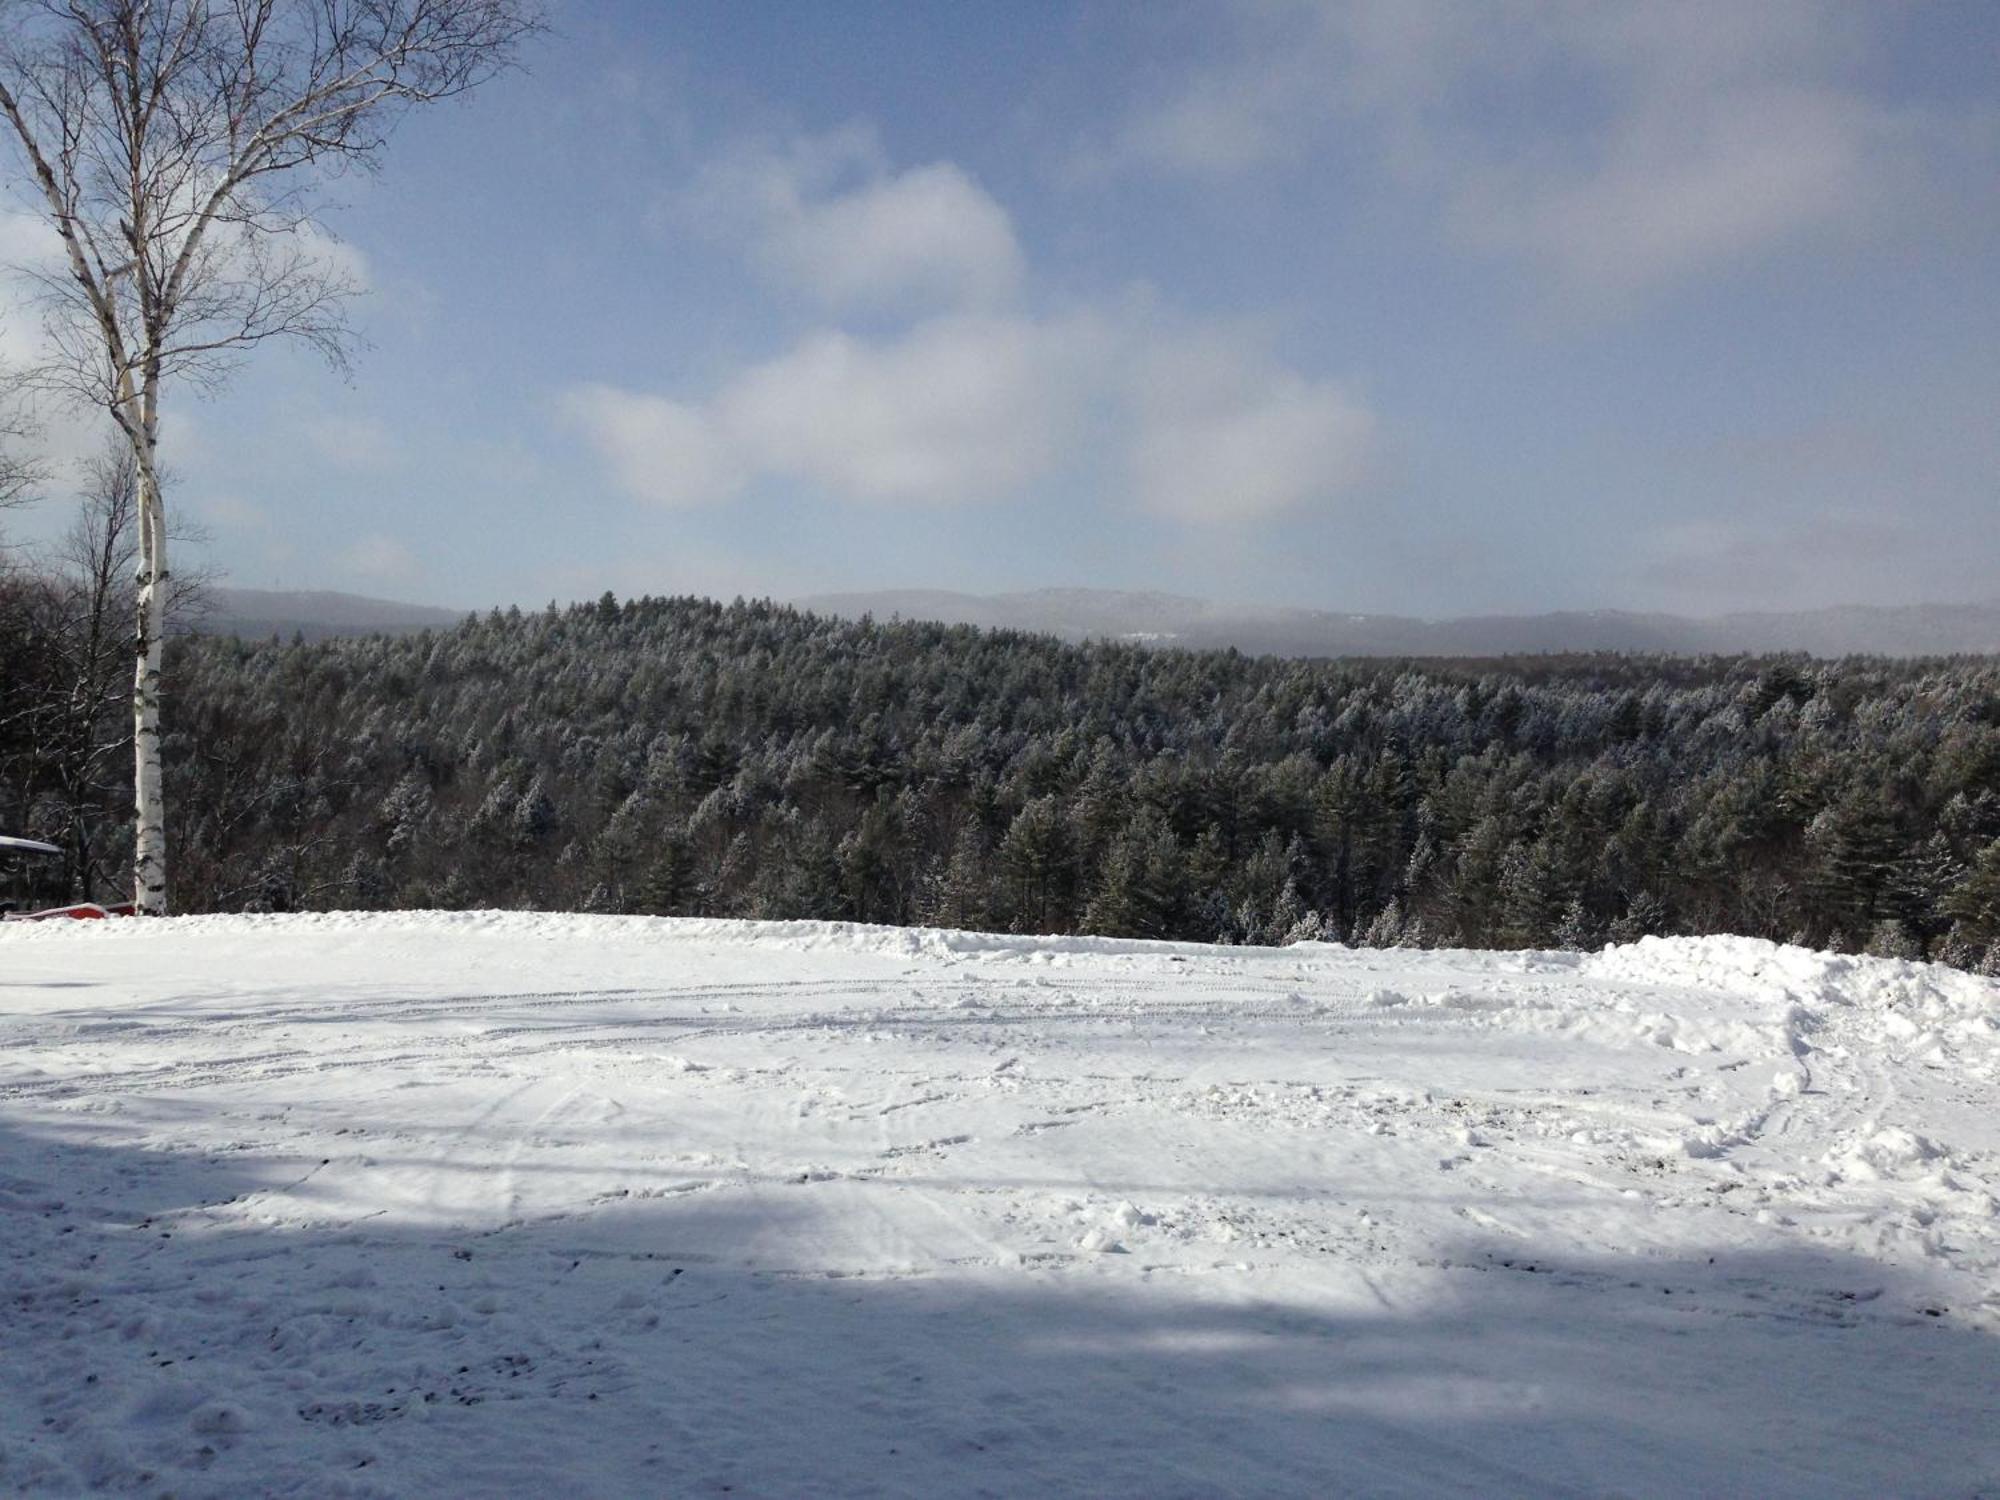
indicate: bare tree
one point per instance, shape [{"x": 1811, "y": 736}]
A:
[
  {"x": 19, "y": 472},
  {"x": 177, "y": 148},
  {"x": 90, "y": 573},
  {"x": 89, "y": 595},
  {"x": 65, "y": 714}
]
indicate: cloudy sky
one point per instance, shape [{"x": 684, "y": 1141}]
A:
[{"x": 1404, "y": 305}]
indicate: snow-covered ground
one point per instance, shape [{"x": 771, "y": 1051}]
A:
[{"x": 490, "y": 1204}]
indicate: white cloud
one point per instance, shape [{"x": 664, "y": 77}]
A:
[
  {"x": 826, "y": 216},
  {"x": 1673, "y": 188},
  {"x": 658, "y": 450},
  {"x": 932, "y": 230},
  {"x": 65, "y": 437},
  {"x": 976, "y": 400},
  {"x": 1225, "y": 435},
  {"x": 959, "y": 408},
  {"x": 334, "y": 257},
  {"x": 379, "y": 558},
  {"x": 1207, "y": 427},
  {"x": 1621, "y": 147}
]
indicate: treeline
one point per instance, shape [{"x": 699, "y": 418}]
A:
[{"x": 685, "y": 757}]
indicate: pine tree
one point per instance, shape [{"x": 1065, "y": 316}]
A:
[
  {"x": 1891, "y": 939},
  {"x": 670, "y": 883},
  {"x": 1287, "y": 913},
  {"x": 965, "y": 900},
  {"x": 533, "y": 818},
  {"x": 1576, "y": 932},
  {"x": 1310, "y": 928},
  {"x": 1386, "y": 928},
  {"x": 1039, "y": 860},
  {"x": 1141, "y": 890},
  {"x": 404, "y": 813},
  {"x": 1645, "y": 915},
  {"x": 1857, "y": 846},
  {"x": 1989, "y": 963},
  {"x": 1975, "y": 902}
]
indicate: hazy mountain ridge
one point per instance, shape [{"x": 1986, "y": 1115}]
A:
[
  {"x": 1171, "y": 619},
  {"x": 1179, "y": 620},
  {"x": 315, "y": 614}
]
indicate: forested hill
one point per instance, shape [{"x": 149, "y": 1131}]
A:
[{"x": 680, "y": 756}]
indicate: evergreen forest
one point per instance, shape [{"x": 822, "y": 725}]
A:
[{"x": 686, "y": 757}]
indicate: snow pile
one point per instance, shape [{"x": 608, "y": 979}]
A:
[{"x": 483, "y": 1203}]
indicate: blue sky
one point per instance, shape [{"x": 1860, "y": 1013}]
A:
[{"x": 1407, "y": 306}]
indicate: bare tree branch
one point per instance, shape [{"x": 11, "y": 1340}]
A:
[{"x": 19, "y": 471}]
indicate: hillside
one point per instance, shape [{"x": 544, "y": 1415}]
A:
[
  {"x": 493, "y": 1203},
  {"x": 684, "y": 758}
]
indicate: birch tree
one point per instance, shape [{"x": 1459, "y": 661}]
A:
[
  {"x": 180, "y": 149},
  {"x": 83, "y": 714}
]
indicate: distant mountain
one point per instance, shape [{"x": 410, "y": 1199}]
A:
[
  {"x": 315, "y": 614},
  {"x": 1177, "y": 620},
  {"x": 1174, "y": 620}
]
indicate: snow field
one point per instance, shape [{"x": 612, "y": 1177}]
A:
[{"x": 487, "y": 1203}]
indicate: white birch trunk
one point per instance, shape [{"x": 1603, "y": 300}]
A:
[{"x": 149, "y": 811}]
